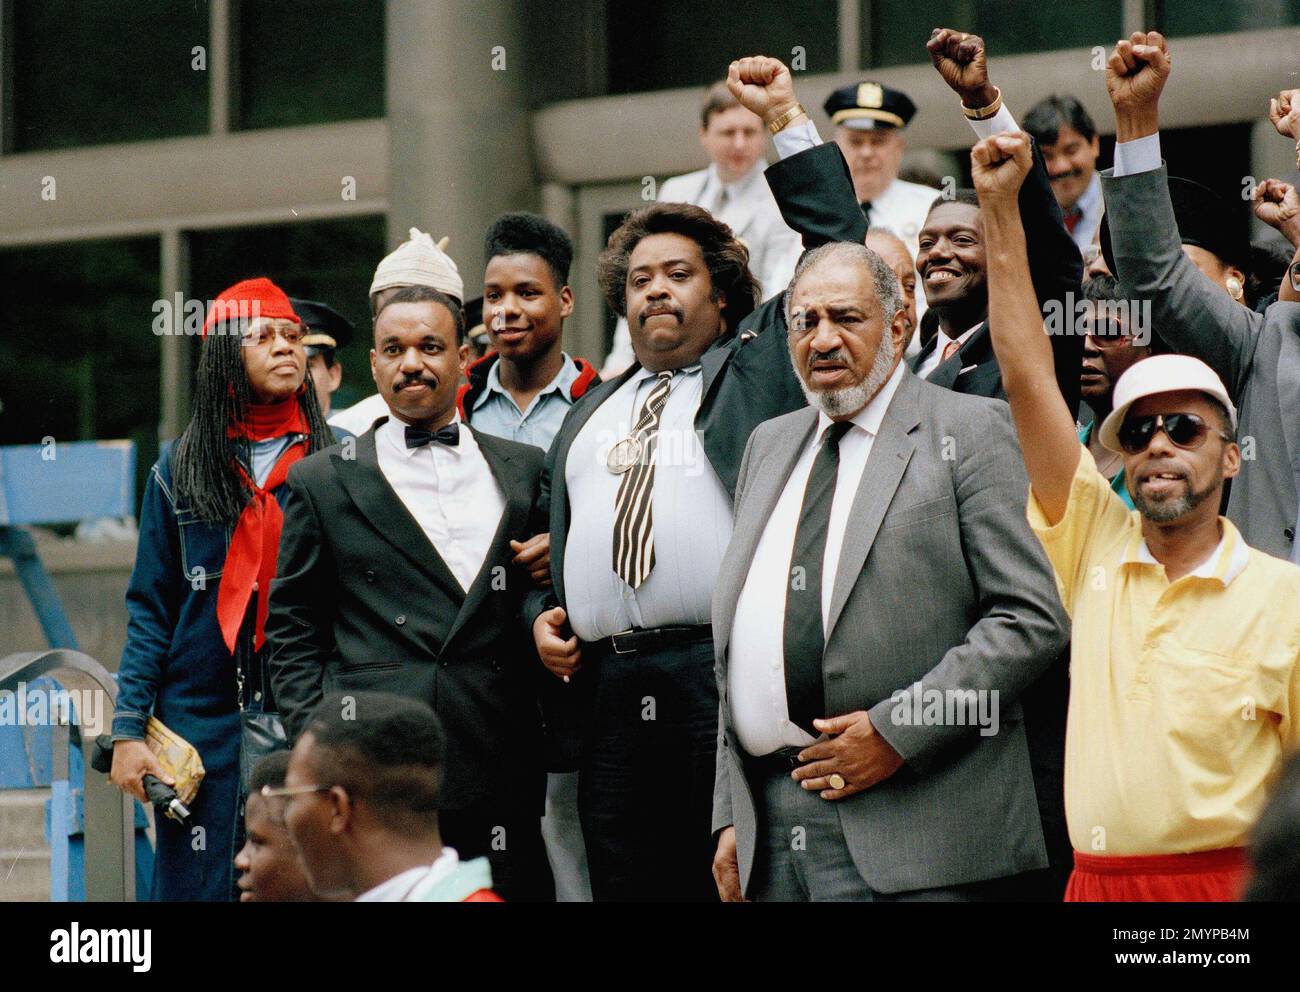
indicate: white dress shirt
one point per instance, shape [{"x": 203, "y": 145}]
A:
[
  {"x": 450, "y": 491},
  {"x": 756, "y": 661},
  {"x": 691, "y": 516},
  {"x": 410, "y": 885}
]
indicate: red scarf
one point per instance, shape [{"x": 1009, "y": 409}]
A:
[{"x": 250, "y": 560}]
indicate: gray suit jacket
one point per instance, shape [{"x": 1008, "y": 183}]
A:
[
  {"x": 942, "y": 582},
  {"x": 1256, "y": 356}
]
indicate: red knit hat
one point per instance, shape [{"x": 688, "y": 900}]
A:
[{"x": 248, "y": 299}]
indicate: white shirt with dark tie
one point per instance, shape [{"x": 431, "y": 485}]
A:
[
  {"x": 449, "y": 490},
  {"x": 760, "y": 711}
]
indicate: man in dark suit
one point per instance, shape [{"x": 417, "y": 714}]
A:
[
  {"x": 950, "y": 254},
  {"x": 642, "y": 712},
  {"x": 395, "y": 573},
  {"x": 838, "y": 775}
]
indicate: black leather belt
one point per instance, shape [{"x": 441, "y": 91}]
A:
[
  {"x": 631, "y": 641},
  {"x": 781, "y": 762}
]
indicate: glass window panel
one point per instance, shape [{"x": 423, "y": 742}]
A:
[
  {"x": 1180, "y": 17},
  {"x": 896, "y": 35},
  {"x": 679, "y": 43},
  {"x": 309, "y": 62},
  {"x": 78, "y": 356},
  {"x": 99, "y": 72}
]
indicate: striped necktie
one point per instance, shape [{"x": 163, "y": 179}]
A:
[{"x": 634, "y": 552}]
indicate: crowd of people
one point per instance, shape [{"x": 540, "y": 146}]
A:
[{"x": 912, "y": 544}]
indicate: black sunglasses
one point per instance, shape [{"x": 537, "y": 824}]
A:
[{"x": 1185, "y": 430}]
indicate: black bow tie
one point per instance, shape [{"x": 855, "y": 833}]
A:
[{"x": 418, "y": 436}]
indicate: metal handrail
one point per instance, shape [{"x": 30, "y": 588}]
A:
[{"x": 110, "y": 815}]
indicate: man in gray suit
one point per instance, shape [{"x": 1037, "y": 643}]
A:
[
  {"x": 1257, "y": 357},
  {"x": 881, "y": 605}
]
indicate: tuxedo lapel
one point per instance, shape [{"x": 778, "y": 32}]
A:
[
  {"x": 767, "y": 482},
  {"x": 519, "y": 498},
  {"x": 370, "y": 492},
  {"x": 890, "y": 453}
]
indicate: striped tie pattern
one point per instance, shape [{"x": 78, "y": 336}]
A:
[{"x": 634, "y": 550}]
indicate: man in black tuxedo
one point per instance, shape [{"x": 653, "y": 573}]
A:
[{"x": 395, "y": 574}]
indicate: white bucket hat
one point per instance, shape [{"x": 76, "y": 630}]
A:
[{"x": 1161, "y": 374}]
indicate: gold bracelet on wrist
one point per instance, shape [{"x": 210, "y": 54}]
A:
[
  {"x": 785, "y": 118},
  {"x": 984, "y": 113}
]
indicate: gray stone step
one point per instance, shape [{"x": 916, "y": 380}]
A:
[
  {"x": 22, "y": 818},
  {"x": 24, "y": 875}
]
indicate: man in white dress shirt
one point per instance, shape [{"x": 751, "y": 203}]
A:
[
  {"x": 1068, "y": 138},
  {"x": 870, "y": 120},
  {"x": 361, "y": 805},
  {"x": 732, "y": 188}
]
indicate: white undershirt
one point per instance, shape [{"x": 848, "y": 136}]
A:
[{"x": 450, "y": 491}]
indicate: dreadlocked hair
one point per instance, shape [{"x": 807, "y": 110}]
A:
[{"x": 204, "y": 459}]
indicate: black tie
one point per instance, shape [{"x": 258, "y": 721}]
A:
[
  {"x": 418, "y": 436},
  {"x": 804, "y": 639}
]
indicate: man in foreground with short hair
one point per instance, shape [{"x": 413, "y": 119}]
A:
[
  {"x": 362, "y": 804},
  {"x": 1184, "y": 675}
]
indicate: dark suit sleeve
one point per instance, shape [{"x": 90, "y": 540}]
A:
[
  {"x": 538, "y": 601},
  {"x": 299, "y": 622},
  {"x": 1021, "y": 627},
  {"x": 1056, "y": 268},
  {"x": 814, "y": 191}
]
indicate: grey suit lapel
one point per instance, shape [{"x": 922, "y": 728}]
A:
[
  {"x": 1288, "y": 391},
  {"x": 767, "y": 482},
  {"x": 890, "y": 453}
]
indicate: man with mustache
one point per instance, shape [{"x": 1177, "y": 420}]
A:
[
  {"x": 951, "y": 257},
  {"x": 1068, "y": 140},
  {"x": 395, "y": 573},
  {"x": 827, "y": 786},
  {"x": 1185, "y": 660}
]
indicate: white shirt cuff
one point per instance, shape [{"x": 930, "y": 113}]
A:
[
  {"x": 793, "y": 140},
  {"x": 999, "y": 123},
  {"x": 1138, "y": 155}
]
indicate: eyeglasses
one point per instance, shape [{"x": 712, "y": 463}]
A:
[
  {"x": 1184, "y": 430},
  {"x": 292, "y": 334},
  {"x": 1108, "y": 334},
  {"x": 293, "y": 790}
]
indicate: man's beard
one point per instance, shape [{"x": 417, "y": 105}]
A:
[
  {"x": 1171, "y": 508},
  {"x": 851, "y": 399}
]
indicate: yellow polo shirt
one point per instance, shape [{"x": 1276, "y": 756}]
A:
[{"x": 1184, "y": 695}]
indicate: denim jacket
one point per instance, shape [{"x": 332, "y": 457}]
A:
[{"x": 176, "y": 667}]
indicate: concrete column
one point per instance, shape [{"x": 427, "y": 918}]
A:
[
  {"x": 174, "y": 378},
  {"x": 459, "y": 146},
  {"x": 220, "y": 26}
]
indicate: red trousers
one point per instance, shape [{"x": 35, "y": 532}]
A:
[{"x": 1206, "y": 876}]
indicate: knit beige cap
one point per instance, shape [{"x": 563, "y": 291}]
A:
[{"x": 420, "y": 262}]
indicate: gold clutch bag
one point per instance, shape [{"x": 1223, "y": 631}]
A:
[{"x": 177, "y": 756}]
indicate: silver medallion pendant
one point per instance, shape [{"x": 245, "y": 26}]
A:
[{"x": 623, "y": 455}]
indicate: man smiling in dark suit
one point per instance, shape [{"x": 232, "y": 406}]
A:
[{"x": 396, "y": 574}]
